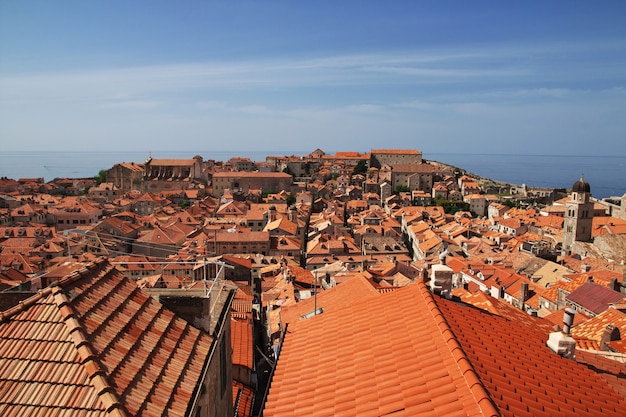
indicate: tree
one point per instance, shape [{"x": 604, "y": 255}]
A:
[
  {"x": 360, "y": 167},
  {"x": 451, "y": 207},
  {"x": 101, "y": 177}
]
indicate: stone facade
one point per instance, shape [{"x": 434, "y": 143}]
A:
[
  {"x": 245, "y": 181},
  {"x": 381, "y": 157}
]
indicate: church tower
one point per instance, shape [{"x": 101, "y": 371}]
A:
[{"x": 578, "y": 216}]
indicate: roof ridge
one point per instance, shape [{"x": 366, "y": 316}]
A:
[
  {"x": 478, "y": 390},
  {"x": 101, "y": 264},
  {"x": 88, "y": 358},
  {"x": 24, "y": 304}
]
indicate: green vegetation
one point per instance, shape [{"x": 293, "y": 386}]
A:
[
  {"x": 451, "y": 207},
  {"x": 402, "y": 189},
  {"x": 101, "y": 177},
  {"x": 360, "y": 168},
  {"x": 509, "y": 202},
  {"x": 291, "y": 199}
]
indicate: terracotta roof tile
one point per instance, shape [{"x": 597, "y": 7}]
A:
[
  {"x": 368, "y": 381},
  {"x": 243, "y": 397},
  {"x": 351, "y": 290},
  {"x": 242, "y": 345},
  {"x": 594, "y": 297},
  {"x": 594, "y": 328},
  {"x": 522, "y": 375},
  {"x": 447, "y": 359},
  {"x": 114, "y": 349}
]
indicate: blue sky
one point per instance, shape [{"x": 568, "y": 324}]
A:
[{"x": 530, "y": 77}]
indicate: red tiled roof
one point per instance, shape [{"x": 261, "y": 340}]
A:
[
  {"x": 556, "y": 318},
  {"x": 353, "y": 289},
  {"x": 595, "y": 327},
  {"x": 376, "y": 359},
  {"x": 171, "y": 162},
  {"x": 522, "y": 375},
  {"x": 243, "y": 397},
  {"x": 241, "y": 341},
  {"x": 594, "y": 297},
  {"x": 612, "y": 371},
  {"x": 396, "y": 151},
  {"x": 96, "y": 345},
  {"x": 246, "y": 174},
  {"x": 412, "y": 353}
]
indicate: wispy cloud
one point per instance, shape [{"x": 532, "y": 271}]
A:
[
  {"x": 486, "y": 64},
  {"x": 132, "y": 104}
]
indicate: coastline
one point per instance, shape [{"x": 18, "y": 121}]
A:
[{"x": 606, "y": 174}]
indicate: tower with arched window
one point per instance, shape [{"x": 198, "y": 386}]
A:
[{"x": 578, "y": 221}]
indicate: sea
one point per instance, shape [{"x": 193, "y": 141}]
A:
[{"x": 605, "y": 174}]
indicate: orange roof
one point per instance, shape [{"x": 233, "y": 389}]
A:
[
  {"x": 241, "y": 341},
  {"x": 374, "y": 359},
  {"x": 96, "y": 345},
  {"x": 612, "y": 370},
  {"x": 556, "y": 318},
  {"x": 396, "y": 151},
  {"x": 594, "y": 328},
  {"x": 247, "y": 174},
  {"x": 243, "y": 397},
  {"x": 351, "y": 290},
  {"x": 171, "y": 162},
  {"x": 501, "y": 308},
  {"x": 477, "y": 299},
  {"x": 522, "y": 375},
  {"x": 409, "y": 352}
]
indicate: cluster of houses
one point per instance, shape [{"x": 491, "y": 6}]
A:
[{"x": 349, "y": 284}]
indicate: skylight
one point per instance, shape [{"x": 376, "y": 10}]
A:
[{"x": 312, "y": 313}]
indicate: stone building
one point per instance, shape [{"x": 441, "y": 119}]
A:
[
  {"x": 243, "y": 182},
  {"x": 126, "y": 176},
  {"x": 578, "y": 220},
  {"x": 380, "y": 157},
  {"x": 172, "y": 174}
]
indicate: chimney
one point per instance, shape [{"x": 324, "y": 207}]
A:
[
  {"x": 561, "y": 342},
  {"x": 523, "y": 294},
  {"x": 441, "y": 280},
  {"x": 611, "y": 333},
  {"x": 586, "y": 268},
  {"x": 568, "y": 320}
]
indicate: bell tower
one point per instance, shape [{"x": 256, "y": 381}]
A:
[{"x": 578, "y": 221}]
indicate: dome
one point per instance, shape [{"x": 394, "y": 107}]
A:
[{"x": 581, "y": 186}]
